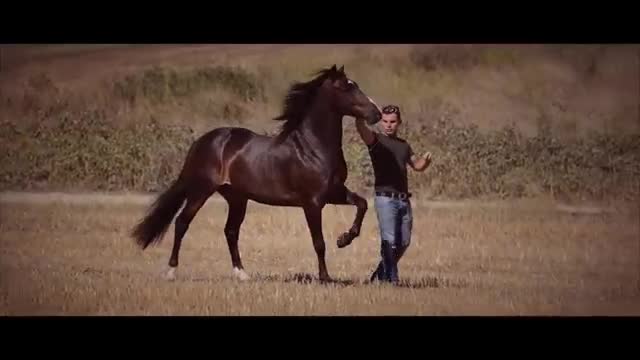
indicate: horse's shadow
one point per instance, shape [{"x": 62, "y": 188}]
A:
[
  {"x": 427, "y": 282},
  {"x": 306, "y": 278}
]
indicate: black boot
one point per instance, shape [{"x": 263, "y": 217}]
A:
[
  {"x": 390, "y": 264},
  {"x": 378, "y": 274}
]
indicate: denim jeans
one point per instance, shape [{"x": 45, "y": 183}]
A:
[{"x": 395, "y": 222}]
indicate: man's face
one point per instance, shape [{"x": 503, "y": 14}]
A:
[{"x": 390, "y": 123}]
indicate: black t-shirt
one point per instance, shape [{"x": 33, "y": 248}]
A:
[{"x": 389, "y": 157}]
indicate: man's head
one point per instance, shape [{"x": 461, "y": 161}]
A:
[{"x": 391, "y": 119}]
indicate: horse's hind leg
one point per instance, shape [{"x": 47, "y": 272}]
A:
[
  {"x": 195, "y": 201},
  {"x": 343, "y": 196},
  {"x": 237, "y": 211}
]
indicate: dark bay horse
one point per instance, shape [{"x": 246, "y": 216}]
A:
[{"x": 302, "y": 166}]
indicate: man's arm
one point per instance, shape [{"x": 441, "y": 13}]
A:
[
  {"x": 368, "y": 136},
  {"x": 365, "y": 133},
  {"x": 420, "y": 163}
]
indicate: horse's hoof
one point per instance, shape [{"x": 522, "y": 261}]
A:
[
  {"x": 240, "y": 274},
  {"x": 344, "y": 240},
  {"x": 170, "y": 275}
]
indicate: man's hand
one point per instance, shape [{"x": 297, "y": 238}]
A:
[
  {"x": 421, "y": 163},
  {"x": 365, "y": 133}
]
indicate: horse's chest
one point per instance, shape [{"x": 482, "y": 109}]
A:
[
  {"x": 340, "y": 170},
  {"x": 340, "y": 174},
  {"x": 336, "y": 171}
]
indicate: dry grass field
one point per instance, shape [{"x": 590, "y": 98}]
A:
[{"x": 61, "y": 258}]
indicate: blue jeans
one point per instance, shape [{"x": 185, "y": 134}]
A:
[{"x": 395, "y": 221}]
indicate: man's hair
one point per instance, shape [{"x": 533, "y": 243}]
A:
[{"x": 392, "y": 109}]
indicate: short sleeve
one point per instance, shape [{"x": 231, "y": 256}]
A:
[{"x": 410, "y": 153}]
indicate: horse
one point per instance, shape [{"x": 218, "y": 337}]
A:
[{"x": 302, "y": 165}]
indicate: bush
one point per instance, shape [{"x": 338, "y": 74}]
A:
[
  {"x": 87, "y": 152},
  {"x": 503, "y": 163},
  {"x": 443, "y": 57},
  {"x": 159, "y": 84}
]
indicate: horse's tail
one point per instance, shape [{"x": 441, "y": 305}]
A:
[{"x": 155, "y": 224}]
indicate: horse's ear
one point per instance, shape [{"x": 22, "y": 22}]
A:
[
  {"x": 333, "y": 72},
  {"x": 341, "y": 69}
]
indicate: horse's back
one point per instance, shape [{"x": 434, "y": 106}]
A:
[
  {"x": 223, "y": 140},
  {"x": 229, "y": 131}
]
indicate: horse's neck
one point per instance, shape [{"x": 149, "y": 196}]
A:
[{"x": 323, "y": 130}]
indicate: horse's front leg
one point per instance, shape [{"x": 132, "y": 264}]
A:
[
  {"x": 313, "y": 214},
  {"x": 343, "y": 196}
]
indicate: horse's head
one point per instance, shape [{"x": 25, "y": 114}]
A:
[{"x": 348, "y": 99}]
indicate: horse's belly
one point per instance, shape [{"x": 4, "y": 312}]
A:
[
  {"x": 267, "y": 194},
  {"x": 269, "y": 182},
  {"x": 275, "y": 198}
]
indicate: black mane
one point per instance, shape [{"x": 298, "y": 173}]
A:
[{"x": 298, "y": 101}]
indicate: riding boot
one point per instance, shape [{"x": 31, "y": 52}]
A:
[{"x": 390, "y": 264}]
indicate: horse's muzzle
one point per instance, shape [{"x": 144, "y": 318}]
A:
[{"x": 374, "y": 116}]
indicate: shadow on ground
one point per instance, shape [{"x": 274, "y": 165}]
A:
[
  {"x": 428, "y": 282},
  {"x": 306, "y": 278}
]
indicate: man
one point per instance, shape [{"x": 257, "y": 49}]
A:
[{"x": 390, "y": 156}]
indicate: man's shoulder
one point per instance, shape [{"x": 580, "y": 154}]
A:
[
  {"x": 388, "y": 140},
  {"x": 380, "y": 134},
  {"x": 401, "y": 140}
]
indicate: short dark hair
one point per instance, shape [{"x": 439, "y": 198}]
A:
[{"x": 392, "y": 109}]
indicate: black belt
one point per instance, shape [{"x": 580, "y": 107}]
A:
[{"x": 394, "y": 195}]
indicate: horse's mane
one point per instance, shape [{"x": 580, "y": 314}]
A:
[{"x": 298, "y": 101}]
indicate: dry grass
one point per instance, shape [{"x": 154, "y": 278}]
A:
[{"x": 78, "y": 259}]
